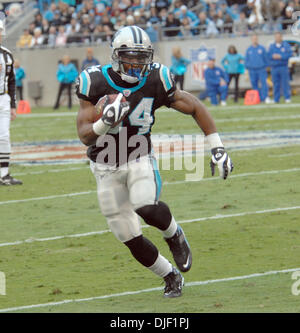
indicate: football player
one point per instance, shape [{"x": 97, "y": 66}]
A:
[{"x": 127, "y": 194}]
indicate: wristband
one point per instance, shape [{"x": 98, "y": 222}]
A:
[
  {"x": 214, "y": 140},
  {"x": 100, "y": 128}
]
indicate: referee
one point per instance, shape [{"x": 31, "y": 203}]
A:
[{"x": 7, "y": 110}]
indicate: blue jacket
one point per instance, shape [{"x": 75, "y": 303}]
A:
[
  {"x": 179, "y": 66},
  {"x": 284, "y": 50},
  {"x": 232, "y": 63},
  {"x": 20, "y": 75},
  {"x": 66, "y": 73},
  {"x": 213, "y": 77},
  {"x": 87, "y": 63},
  {"x": 256, "y": 57}
]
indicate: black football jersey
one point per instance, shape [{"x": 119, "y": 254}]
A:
[{"x": 152, "y": 92}]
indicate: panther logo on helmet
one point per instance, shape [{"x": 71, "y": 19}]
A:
[{"x": 132, "y": 53}]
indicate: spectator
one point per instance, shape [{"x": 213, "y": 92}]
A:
[
  {"x": 49, "y": 13},
  {"x": 38, "y": 20},
  {"x": 154, "y": 19},
  {"x": 184, "y": 12},
  {"x": 272, "y": 14},
  {"x": 172, "y": 22},
  {"x": 86, "y": 24},
  {"x": 61, "y": 38},
  {"x": 105, "y": 20},
  {"x": 161, "y": 4},
  {"x": 240, "y": 26},
  {"x": 216, "y": 83},
  {"x": 73, "y": 24},
  {"x": 45, "y": 27},
  {"x": 278, "y": 56},
  {"x": 139, "y": 19},
  {"x": 66, "y": 75},
  {"x": 73, "y": 36},
  {"x": 130, "y": 20},
  {"x": 152, "y": 32},
  {"x": 232, "y": 63},
  {"x": 31, "y": 28},
  {"x": 51, "y": 40},
  {"x": 57, "y": 20},
  {"x": 256, "y": 19},
  {"x": 179, "y": 66},
  {"x": 38, "y": 38},
  {"x": 108, "y": 33},
  {"x": 89, "y": 60},
  {"x": 287, "y": 19},
  {"x": 186, "y": 26},
  {"x": 20, "y": 76},
  {"x": 206, "y": 26},
  {"x": 25, "y": 39},
  {"x": 256, "y": 62}
]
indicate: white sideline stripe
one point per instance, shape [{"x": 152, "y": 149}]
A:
[
  {"x": 236, "y": 176},
  {"x": 214, "y": 217},
  {"x": 127, "y": 293},
  {"x": 46, "y": 198},
  {"x": 51, "y": 170},
  {"x": 164, "y": 183}
]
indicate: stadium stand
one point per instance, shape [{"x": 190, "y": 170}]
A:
[{"x": 94, "y": 21}]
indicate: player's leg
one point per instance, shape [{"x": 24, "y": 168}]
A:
[
  {"x": 285, "y": 78},
  {"x": 5, "y": 146},
  {"x": 124, "y": 223},
  {"x": 223, "y": 90},
  {"x": 60, "y": 90},
  {"x": 69, "y": 87},
  {"x": 213, "y": 93},
  {"x": 263, "y": 75},
  {"x": 144, "y": 185},
  {"x": 276, "y": 84}
]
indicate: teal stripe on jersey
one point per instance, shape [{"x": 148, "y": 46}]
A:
[
  {"x": 118, "y": 88},
  {"x": 166, "y": 78},
  {"x": 84, "y": 83}
]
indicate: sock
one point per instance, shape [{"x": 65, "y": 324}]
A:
[
  {"x": 162, "y": 267},
  {"x": 4, "y": 172},
  {"x": 171, "y": 230}
]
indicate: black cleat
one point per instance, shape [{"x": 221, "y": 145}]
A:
[
  {"x": 180, "y": 249},
  {"x": 9, "y": 180},
  {"x": 174, "y": 283}
]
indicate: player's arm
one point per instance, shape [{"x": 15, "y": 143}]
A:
[
  {"x": 85, "y": 123},
  {"x": 189, "y": 104},
  {"x": 88, "y": 130}
]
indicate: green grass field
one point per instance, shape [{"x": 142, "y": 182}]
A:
[{"x": 248, "y": 224}]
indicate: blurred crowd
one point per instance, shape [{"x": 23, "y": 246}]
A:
[{"x": 59, "y": 23}]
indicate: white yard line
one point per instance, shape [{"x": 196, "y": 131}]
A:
[
  {"x": 137, "y": 292},
  {"x": 50, "y": 171},
  {"x": 164, "y": 183},
  {"x": 200, "y": 219}
]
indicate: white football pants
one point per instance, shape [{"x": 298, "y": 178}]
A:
[{"x": 123, "y": 190}]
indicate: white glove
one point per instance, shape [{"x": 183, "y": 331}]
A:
[
  {"x": 222, "y": 160},
  {"x": 114, "y": 112}
]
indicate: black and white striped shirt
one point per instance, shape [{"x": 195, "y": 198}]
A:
[{"x": 7, "y": 76}]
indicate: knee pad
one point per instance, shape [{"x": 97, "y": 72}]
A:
[
  {"x": 143, "y": 250},
  {"x": 156, "y": 215}
]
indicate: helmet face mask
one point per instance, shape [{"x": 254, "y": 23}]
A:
[{"x": 132, "y": 54}]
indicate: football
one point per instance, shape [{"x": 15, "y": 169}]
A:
[{"x": 99, "y": 107}]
